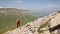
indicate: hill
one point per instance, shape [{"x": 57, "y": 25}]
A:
[
  {"x": 45, "y": 25},
  {"x": 13, "y": 11},
  {"x": 8, "y": 18}
]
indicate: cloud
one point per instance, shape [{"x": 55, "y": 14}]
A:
[
  {"x": 18, "y": 1},
  {"x": 51, "y": 4},
  {"x": 1, "y": 7}
]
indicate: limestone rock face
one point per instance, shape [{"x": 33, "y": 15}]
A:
[
  {"x": 14, "y": 11},
  {"x": 55, "y": 21},
  {"x": 32, "y": 27}
]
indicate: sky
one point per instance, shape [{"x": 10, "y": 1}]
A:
[{"x": 31, "y": 4}]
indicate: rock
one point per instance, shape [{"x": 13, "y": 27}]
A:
[{"x": 33, "y": 26}]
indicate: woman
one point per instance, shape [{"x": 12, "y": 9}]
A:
[{"x": 18, "y": 23}]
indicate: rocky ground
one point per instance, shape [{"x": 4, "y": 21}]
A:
[{"x": 32, "y": 27}]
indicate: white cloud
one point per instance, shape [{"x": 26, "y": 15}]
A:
[
  {"x": 1, "y": 7},
  {"x": 18, "y": 1},
  {"x": 51, "y": 4}
]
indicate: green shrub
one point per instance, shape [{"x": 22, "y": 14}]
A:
[
  {"x": 58, "y": 11},
  {"x": 27, "y": 25},
  {"x": 33, "y": 31},
  {"x": 42, "y": 26}
]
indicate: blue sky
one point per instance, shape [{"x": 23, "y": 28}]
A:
[{"x": 31, "y": 4}]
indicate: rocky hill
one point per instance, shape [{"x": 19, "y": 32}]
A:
[
  {"x": 43, "y": 25},
  {"x": 13, "y": 11}
]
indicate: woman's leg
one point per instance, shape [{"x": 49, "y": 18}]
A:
[{"x": 17, "y": 25}]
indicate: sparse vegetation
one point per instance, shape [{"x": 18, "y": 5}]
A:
[
  {"x": 58, "y": 11},
  {"x": 27, "y": 25},
  {"x": 7, "y": 22},
  {"x": 33, "y": 31},
  {"x": 42, "y": 26}
]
